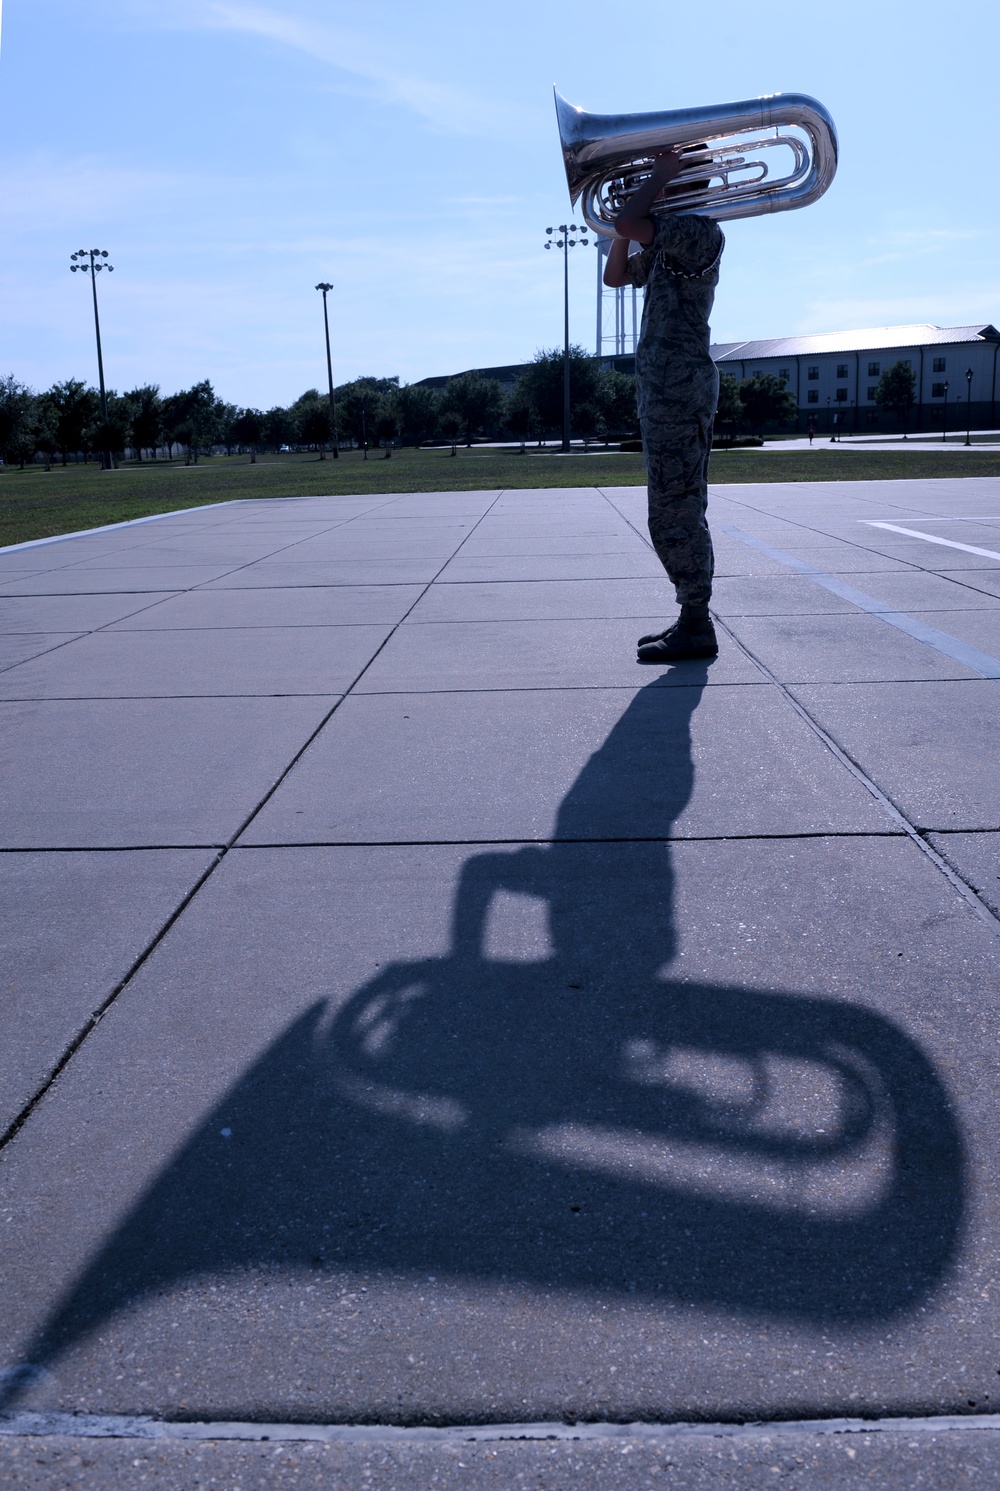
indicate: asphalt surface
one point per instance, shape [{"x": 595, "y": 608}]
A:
[{"x": 416, "y": 1013}]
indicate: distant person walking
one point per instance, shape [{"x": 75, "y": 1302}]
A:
[
  {"x": 677, "y": 386},
  {"x": 811, "y": 430}
]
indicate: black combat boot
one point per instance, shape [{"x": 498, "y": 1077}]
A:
[{"x": 691, "y": 636}]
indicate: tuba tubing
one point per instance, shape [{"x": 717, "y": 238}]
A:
[{"x": 603, "y": 153}]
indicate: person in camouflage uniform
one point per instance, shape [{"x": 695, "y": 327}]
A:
[{"x": 677, "y": 386}]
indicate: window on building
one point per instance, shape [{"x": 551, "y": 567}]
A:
[
  {"x": 812, "y": 374},
  {"x": 872, "y": 392},
  {"x": 841, "y": 395},
  {"x": 874, "y": 368},
  {"x": 939, "y": 365},
  {"x": 841, "y": 370},
  {"x": 873, "y": 416},
  {"x": 783, "y": 373},
  {"x": 937, "y": 390},
  {"x": 812, "y": 397}
]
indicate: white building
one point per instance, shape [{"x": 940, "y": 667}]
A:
[{"x": 837, "y": 372}]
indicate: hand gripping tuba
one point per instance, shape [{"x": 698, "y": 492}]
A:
[{"x": 726, "y": 176}]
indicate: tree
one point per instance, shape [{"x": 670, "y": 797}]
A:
[
  {"x": 765, "y": 397},
  {"x": 226, "y": 416},
  {"x": 299, "y": 412},
  {"x": 521, "y": 422},
  {"x": 248, "y": 429},
  {"x": 192, "y": 418},
  {"x": 387, "y": 428},
  {"x": 730, "y": 412},
  {"x": 451, "y": 428},
  {"x": 278, "y": 428},
  {"x": 587, "y": 420},
  {"x": 896, "y": 392},
  {"x": 147, "y": 417},
  {"x": 361, "y": 403},
  {"x": 616, "y": 402},
  {"x": 419, "y": 409},
  {"x": 112, "y": 434},
  {"x": 541, "y": 385},
  {"x": 77, "y": 411},
  {"x": 316, "y": 427},
  {"x": 170, "y": 420},
  {"x": 479, "y": 402},
  {"x": 17, "y": 407},
  {"x": 44, "y": 422}
]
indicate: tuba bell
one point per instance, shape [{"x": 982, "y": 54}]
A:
[{"x": 726, "y": 172}]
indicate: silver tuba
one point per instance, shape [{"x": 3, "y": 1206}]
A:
[{"x": 726, "y": 174}]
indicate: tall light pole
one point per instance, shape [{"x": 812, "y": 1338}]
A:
[
  {"x": 944, "y": 416},
  {"x": 566, "y": 243},
  {"x": 95, "y": 264},
  {"x": 329, "y": 370},
  {"x": 968, "y": 408}
]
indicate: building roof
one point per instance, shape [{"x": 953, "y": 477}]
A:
[
  {"x": 871, "y": 339},
  {"x": 505, "y": 373}
]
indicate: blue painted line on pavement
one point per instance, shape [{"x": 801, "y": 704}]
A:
[
  {"x": 958, "y": 651},
  {"x": 61, "y": 538}
]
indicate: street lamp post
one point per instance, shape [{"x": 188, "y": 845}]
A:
[
  {"x": 324, "y": 286},
  {"x": 944, "y": 416},
  {"x": 566, "y": 243},
  {"x": 93, "y": 266},
  {"x": 968, "y": 407}
]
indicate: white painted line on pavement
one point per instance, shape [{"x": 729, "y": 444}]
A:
[
  {"x": 960, "y": 652},
  {"x": 943, "y": 518},
  {"x": 931, "y": 538}
]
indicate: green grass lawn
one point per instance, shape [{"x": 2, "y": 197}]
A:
[{"x": 36, "y": 503}]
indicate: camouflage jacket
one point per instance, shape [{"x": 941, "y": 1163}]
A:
[{"x": 680, "y": 270}]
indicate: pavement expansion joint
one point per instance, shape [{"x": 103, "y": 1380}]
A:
[
  {"x": 750, "y": 838},
  {"x": 104, "y": 848},
  {"x": 89, "y": 1025},
  {"x": 109, "y": 1426},
  {"x": 973, "y": 900}
]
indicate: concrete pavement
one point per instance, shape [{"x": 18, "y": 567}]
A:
[{"x": 420, "y": 1014}]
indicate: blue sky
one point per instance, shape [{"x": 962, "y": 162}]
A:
[{"x": 230, "y": 154}]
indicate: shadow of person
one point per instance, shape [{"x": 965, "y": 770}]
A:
[{"x": 575, "y": 1116}]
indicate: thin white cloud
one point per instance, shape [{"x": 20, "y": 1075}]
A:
[
  {"x": 928, "y": 239},
  {"x": 46, "y": 192},
  {"x": 445, "y": 108},
  {"x": 480, "y": 201}
]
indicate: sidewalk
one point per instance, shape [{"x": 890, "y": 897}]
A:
[
  {"x": 926, "y": 440},
  {"x": 492, "y": 1031}
]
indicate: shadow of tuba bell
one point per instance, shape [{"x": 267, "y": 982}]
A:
[{"x": 742, "y": 159}]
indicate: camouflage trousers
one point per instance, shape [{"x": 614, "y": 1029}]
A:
[{"x": 676, "y": 452}]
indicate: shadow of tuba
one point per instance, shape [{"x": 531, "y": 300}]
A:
[{"x": 742, "y": 159}]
